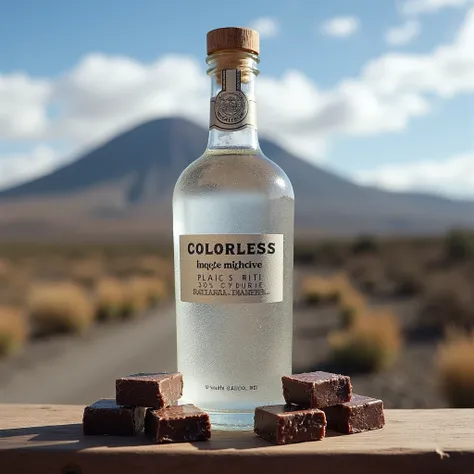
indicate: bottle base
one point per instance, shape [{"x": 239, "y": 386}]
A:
[{"x": 231, "y": 420}]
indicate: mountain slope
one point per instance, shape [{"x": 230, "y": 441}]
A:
[{"x": 129, "y": 180}]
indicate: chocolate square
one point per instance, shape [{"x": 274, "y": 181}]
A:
[
  {"x": 177, "y": 424},
  {"x": 284, "y": 424},
  {"x": 360, "y": 414},
  {"x": 156, "y": 390},
  {"x": 317, "y": 389},
  {"x": 105, "y": 417}
]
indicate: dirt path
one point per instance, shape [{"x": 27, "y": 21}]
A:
[{"x": 80, "y": 370}]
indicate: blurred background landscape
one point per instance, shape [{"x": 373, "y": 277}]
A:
[{"x": 368, "y": 107}]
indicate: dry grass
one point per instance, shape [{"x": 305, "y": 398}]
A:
[
  {"x": 155, "y": 266},
  {"x": 459, "y": 245},
  {"x": 317, "y": 290},
  {"x": 126, "y": 298},
  {"x": 141, "y": 293},
  {"x": 455, "y": 365},
  {"x": 87, "y": 272},
  {"x": 341, "y": 282},
  {"x": 368, "y": 273},
  {"x": 448, "y": 302},
  {"x": 59, "y": 308},
  {"x": 13, "y": 330},
  {"x": 353, "y": 306},
  {"x": 110, "y": 299},
  {"x": 125, "y": 267},
  {"x": 407, "y": 278},
  {"x": 336, "y": 289},
  {"x": 85, "y": 280},
  {"x": 365, "y": 244},
  {"x": 370, "y": 345},
  {"x": 157, "y": 290},
  {"x": 5, "y": 269},
  {"x": 13, "y": 290},
  {"x": 320, "y": 290}
]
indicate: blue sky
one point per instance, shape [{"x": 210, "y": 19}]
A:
[{"x": 380, "y": 91}]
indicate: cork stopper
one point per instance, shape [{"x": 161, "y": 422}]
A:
[{"x": 243, "y": 39}]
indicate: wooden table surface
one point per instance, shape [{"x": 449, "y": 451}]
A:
[{"x": 42, "y": 439}]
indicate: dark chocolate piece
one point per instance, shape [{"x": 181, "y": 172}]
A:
[
  {"x": 284, "y": 424},
  {"x": 360, "y": 414},
  {"x": 177, "y": 424},
  {"x": 149, "y": 390},
  {"x": 105, "y": 417},
  {"x": 317, "y": 389}
]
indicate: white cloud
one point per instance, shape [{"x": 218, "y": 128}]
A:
[
  {"x": 103, "y": 95},
  {"x": 20, "y": 167},
  {"x": 390, "y": 91},
  {"x": 267, "y": 27},
  {"x": 404, "y": 33},
  {"x": 416, "y": 7},
  {"x": 340, "y": 27},
  {"x": 446, "y": 71},
  {"x": 453, "y": 176},
  {"x": 23, "y": 103}
]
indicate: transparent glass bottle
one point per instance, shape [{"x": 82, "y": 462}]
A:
[{"x": 228, "y": 205}]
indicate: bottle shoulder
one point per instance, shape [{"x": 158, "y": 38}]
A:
[{"x": 249, "y": 171}]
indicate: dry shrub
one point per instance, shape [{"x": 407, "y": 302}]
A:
[
  {"x": 155, "y": 266},
  {"x": 319, "y": 290},
  {"x": 52, "y": 267},
  {"x": 340, "y": 283},
  {"x": 87, "y": 272},
  {"x": 368, "y": 273},
  {"x": 157, "y": 290},
  {"x": 61, "y": 307},
  {"x": 125, "y": 267},
  {"x": 13, "y": 330},
  {"x": 5, "y": 269},
  {"x": 111, "y": 299},
  {"x": 370, "y": 345},
  {"x": 150, "y": 265},
  {"x": 14, "y": 289},
  {"x": 459, "y": 245},
  {"x": 455, "y": 365},
  {"x": 329, "y": 253},
  {"x": 141, "y": 293},
  {"x": 160, "y": 270},
  {"x": 449, "y": 301},
  {"x": 407, "y": 279},
  {"x": 365, "y": 244},
  {"x": 352, "y": 306}
]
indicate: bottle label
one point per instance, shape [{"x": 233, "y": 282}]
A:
[
  {"x": 231, "y": 109},
  {"x": 231, "y": 268}
]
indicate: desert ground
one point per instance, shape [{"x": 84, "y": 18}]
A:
[{"x": 401, "y": 309}]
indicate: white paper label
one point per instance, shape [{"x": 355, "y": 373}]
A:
[{"x": 231, "y": 268}]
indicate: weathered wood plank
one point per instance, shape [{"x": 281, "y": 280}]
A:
[{"x": 48, "y": 439}]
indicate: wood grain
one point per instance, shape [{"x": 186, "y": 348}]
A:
[
  {"x": 44, "y": 439},
  {"x": 231, "y": 38}
]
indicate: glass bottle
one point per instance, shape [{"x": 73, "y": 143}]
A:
[{"x": 233, "y": 220}]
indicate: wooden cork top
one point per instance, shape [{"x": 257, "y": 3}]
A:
[{"x": 243, "y": 39}]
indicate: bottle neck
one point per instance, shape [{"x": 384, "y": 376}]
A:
[{"x": 233, "y": 120}]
